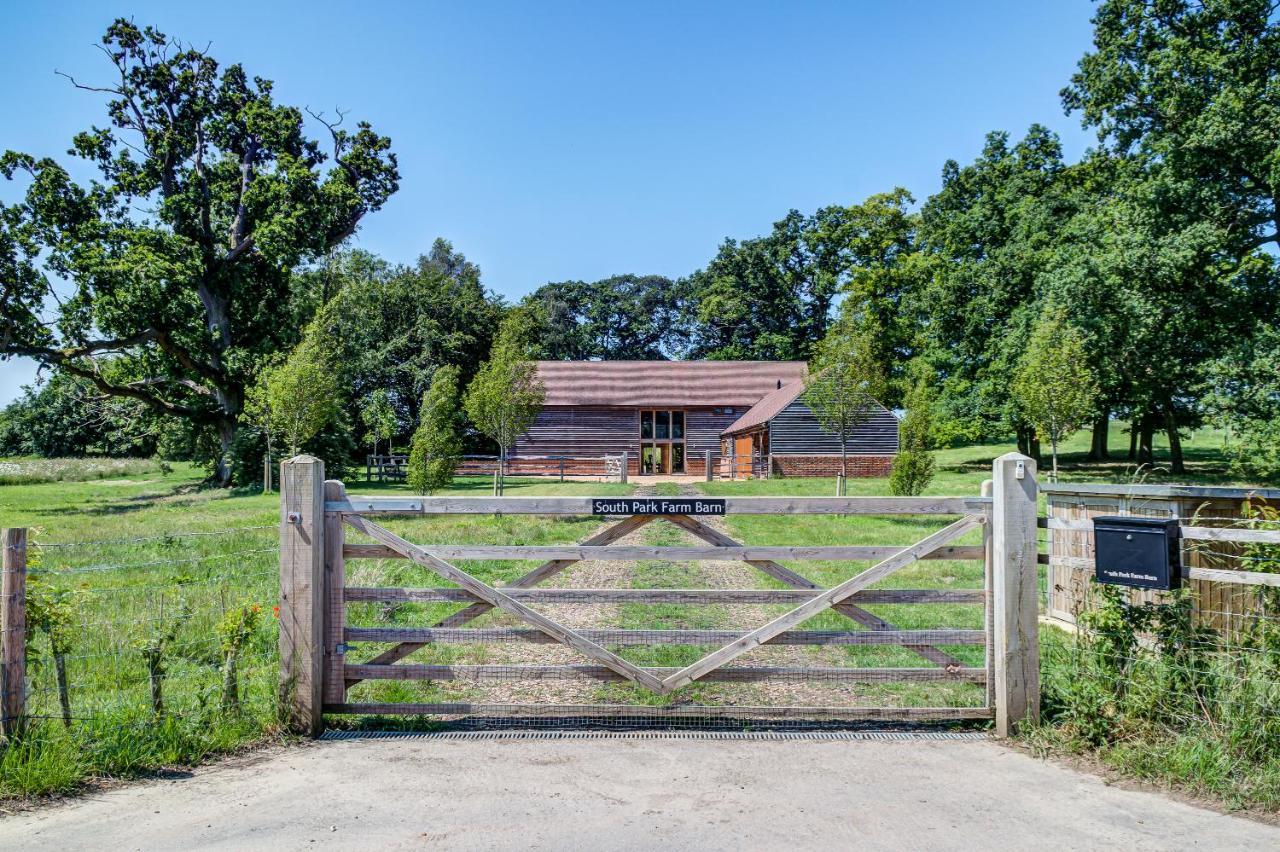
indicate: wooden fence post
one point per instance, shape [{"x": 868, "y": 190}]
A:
[
  {"x": 334, "y": 690},
  {"x": 13, "y": 626},
  {"x": 302, "y": 613},
  {"x": 626, "y": 463},
  {"x": 1013, "y": 587},
  {"x": 707, "y": 472}
]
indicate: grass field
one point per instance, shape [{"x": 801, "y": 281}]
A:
[{"x": 140, "y": 555}]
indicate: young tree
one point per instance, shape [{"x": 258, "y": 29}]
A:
[
  {"x": 437, "y": 442},
  {"x": 506, "y": 395},
  {"x": 1053, "y": 385},
  {"x": 299, "y": 396},
  {"x": 209, "y": 194},
  {"x": 379, "y": 417},
  {"x": 845, "y": 381},
  {"x": 913, "y": 467}
]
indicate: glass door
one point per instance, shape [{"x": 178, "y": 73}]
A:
[{"x": 662, "y": 441}]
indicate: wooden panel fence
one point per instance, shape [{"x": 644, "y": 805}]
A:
[
  {"x": 319, "y": 644},
  {"x": 1215, "y": 534}
]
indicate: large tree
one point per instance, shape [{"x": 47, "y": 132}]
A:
[
  {"x": 177, "y": 258},
  {"x": 988, "y": 234},
  {"x": 873, "y": 244},
  {"x": 623, "y": 317},
  {"x": 1187, "y": 92},
  {"x": 766, "y": 298},
  {"x": 391, "y": 328}
]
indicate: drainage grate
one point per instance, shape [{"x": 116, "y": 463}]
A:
[{"x": 885, "y": 736}]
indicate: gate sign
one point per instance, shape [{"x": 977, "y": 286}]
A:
[
  {"x": 1140, "y": 552},
  {"x": 656, "y": 506}
]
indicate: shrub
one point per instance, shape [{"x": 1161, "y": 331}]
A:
[{"x": 912, "y": 472}]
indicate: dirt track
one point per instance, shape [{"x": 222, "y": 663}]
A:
[{"x": 408, "y": 793}]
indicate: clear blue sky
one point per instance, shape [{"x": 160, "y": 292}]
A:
[{"x": 557, "y": 141}]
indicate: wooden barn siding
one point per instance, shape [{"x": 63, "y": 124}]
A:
[
  {"x": 702, "y": 429},
  {"x": 579, "y": 431},
  {"x": 795, "y": 431}
]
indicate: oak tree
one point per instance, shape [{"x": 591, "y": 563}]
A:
[{"x": 177, "y": 257}]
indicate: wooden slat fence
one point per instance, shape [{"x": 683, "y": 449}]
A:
[
  {"x": 1215, "y": 533},
  {"x": 321, "y": 666}
]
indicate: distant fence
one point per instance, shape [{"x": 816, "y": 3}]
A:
[
  {"x": 1220, "y": 543},
  {"x": 395, "y": 468}
]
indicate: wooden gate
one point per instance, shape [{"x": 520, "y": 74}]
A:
[{"x": 318, "y": 643}]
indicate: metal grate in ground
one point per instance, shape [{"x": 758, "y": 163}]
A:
[{"x": 883, "y": 736}]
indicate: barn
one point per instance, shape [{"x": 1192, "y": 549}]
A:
[{"x": 667, "y": 415}]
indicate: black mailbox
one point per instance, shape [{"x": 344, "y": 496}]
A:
[{"x": 1137, "y": 551}]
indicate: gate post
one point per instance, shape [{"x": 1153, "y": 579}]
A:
[
  {"x": 1015, "y": 623},
  {"x": 302, "y": 614},
  {"x": 707, "y": 465},
  {"x": 624, "y": 468},
  {"x": 13, "y": 638}
]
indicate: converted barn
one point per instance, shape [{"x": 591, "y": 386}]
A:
[
  {"x": 782, "y": 432},
  {"x": 666, "y": 415}
]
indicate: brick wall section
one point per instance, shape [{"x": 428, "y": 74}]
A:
[{"x": 830, "y": 465}]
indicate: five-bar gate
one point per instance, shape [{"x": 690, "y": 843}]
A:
[{"x": 322, "y": 661}]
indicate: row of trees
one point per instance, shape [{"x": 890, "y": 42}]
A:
[{"x": 206, "y": 246}]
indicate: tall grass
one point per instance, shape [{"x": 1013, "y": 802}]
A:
[
  {"x": 1150, "y": 693},
  {"x": 28, "y": 471}
]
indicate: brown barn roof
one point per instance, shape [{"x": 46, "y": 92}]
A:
[
  {"x": 665, "y": 383},
  {"x": 767, "y": 408}
]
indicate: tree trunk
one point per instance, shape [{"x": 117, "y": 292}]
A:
[
  {"x": 1134, "y": 428},
  {"x": 1098, "y": 446},
  {"x": 226, "y": 437},
  {"x": 1177, "y": 463},
  {"x": 1023, "y": 437},
  {"x": 1146, "y": 447},
  {"x": 1035, "y": 448},
  {"x": 230, "y": 685},
  {"x": 64, "y": 691},
  {"x": 1053, "y": 443},
  {"x": 155, "y": 674},
  {"x": 844, "y": 456}
]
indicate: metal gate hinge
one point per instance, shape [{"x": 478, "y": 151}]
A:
[{"x": 342, "y": 648}]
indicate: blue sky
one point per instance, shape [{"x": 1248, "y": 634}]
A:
[{"x": 557, "y": 141}]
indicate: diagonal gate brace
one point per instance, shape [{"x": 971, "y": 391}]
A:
[
  {"x": 506, "y": 603},
  {"x": 784, "y": 574},
  {"x": 544, "y": 571},
  {"x": 822, "y": 601}
]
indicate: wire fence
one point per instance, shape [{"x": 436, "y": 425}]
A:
[{"x": 155, "y": 633}]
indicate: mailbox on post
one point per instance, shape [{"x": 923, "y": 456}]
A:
[{"x": 1137, "y": 551}]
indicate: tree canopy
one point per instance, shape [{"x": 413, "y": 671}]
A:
[{"x": 179, "y": 255}]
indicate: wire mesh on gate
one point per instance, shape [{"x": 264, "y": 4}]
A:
[{"x": 488, "y": 668}]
